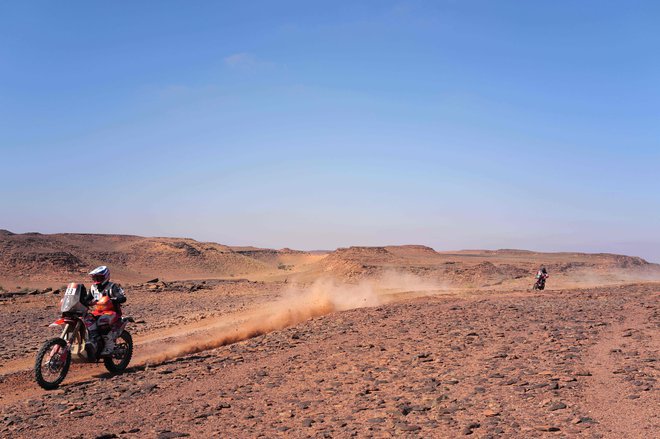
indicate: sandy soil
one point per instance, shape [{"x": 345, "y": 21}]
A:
[{"x": 567, "y": 363}]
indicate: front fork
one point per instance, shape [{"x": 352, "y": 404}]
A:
[{"x": 68, "y": 336}]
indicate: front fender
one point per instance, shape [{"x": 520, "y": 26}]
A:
[{"x": 58, "y": 322}]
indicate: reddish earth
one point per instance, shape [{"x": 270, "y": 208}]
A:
[{"x": 367, "y": 342}]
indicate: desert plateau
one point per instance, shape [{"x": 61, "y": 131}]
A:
[{"x": 393, "y": 341}]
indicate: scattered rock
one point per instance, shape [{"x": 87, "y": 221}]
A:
[
  {"x": 583, "y": 420},
  {"x": 547, "y": 428},
  {"x": 403, "y": 426},
  {"x": 557, "y": 406},
  {"x": 171, "y": 434}
]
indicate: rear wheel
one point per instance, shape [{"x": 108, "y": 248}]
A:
[
  {"x": 121, "y": 355},
  {"x": 52, "y": 363}
]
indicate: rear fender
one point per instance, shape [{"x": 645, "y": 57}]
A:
[{"x": 123, "y": 322}]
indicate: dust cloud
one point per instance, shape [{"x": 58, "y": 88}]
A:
[
  {"x": 591, "y": 278},
  {"x": 297, "y": 304}
]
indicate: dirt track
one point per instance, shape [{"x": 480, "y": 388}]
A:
[{"x": 567, "y": 363}]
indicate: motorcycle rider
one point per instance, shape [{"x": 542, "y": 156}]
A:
[
  {"x": 101, "y": 286},
  {"x": 542, "y": 275}
]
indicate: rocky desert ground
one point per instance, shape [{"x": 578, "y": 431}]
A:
[{"x": 394, "y": 341}]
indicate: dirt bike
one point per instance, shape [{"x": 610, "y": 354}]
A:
[
  {"x": 539, "y": 284},
  {"x": 55, "y": 356}
]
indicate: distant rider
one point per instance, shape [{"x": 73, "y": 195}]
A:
[
  {"x": 542, "y": 275},
  {"x": 101, "y": 286}
]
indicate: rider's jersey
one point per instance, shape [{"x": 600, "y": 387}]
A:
[{"x": 110, "y": 289}]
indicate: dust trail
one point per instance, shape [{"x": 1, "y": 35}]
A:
[
  {"x": 297, "y": 305},
  {"x": 591, "y": 278}
]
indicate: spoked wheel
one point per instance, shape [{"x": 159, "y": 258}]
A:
[
  {"x": 52, "y": 364},
  {"x": 121, "y": 355}
]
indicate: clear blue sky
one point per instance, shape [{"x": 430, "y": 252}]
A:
[{"x": 317, "y": 124}]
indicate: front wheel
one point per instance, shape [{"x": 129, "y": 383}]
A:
[
  {"x": 52, "y": 363},
  {"x": 121, "y": 355}
]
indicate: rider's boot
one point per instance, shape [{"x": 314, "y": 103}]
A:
[
  {"x": 91, "y": 344},
  {"x": 108, "y": 344}
]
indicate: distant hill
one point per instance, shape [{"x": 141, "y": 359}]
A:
[
  {"x": 34, "y": 258},
  {"x": 480, "y": 268}
]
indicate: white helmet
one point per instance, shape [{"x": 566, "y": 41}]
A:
[{"x": 100, "y": 275}]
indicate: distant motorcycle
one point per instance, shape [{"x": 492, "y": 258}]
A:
[
  {"x": 540, "y": 282},
  {"x": 55, "y": 356}
]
